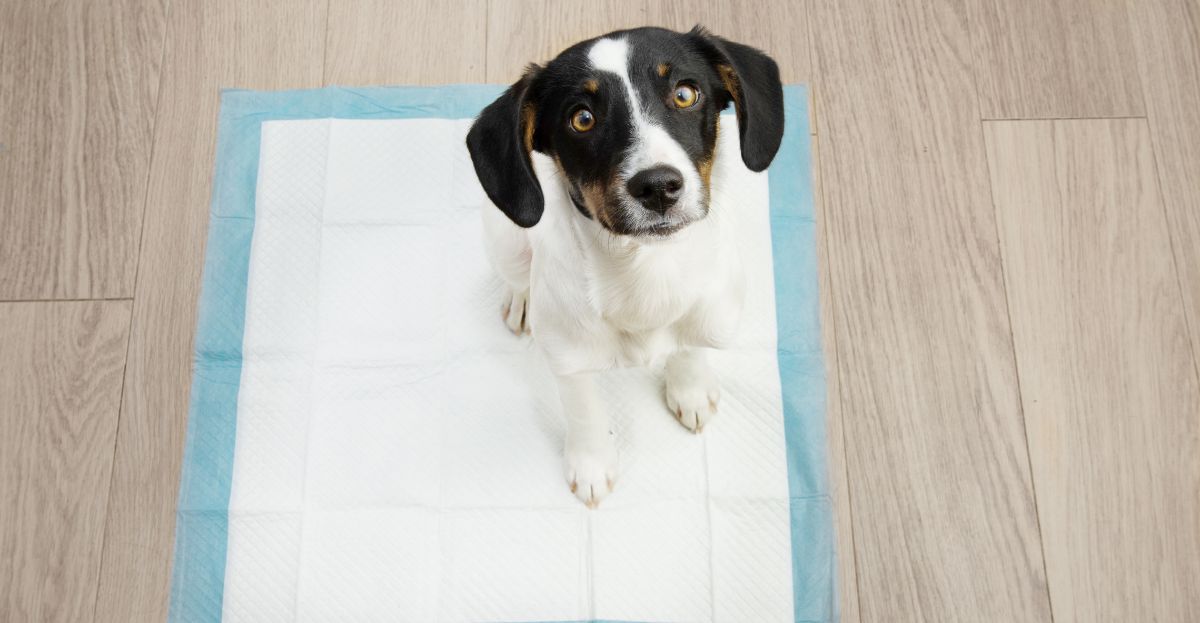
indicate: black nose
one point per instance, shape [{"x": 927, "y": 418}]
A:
[{"x": 656, "y": 188}]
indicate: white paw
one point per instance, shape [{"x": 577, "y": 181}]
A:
[
  {"x": 693, "y": 394},
  {"x": 591, "y": 467},
  {"x": 515, "y": 312}
]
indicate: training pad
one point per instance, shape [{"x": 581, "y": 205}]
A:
[{"x": 368, "y": 442}]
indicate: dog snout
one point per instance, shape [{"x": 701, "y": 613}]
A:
[{"x": 656, "y": 188}]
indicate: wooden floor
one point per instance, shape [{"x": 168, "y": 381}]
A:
[{"x": 1009, "y": 196}]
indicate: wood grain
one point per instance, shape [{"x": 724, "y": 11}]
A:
[
  {"x": 847, "y": 580},
  {"x": 60, "y": 378},
  {"x": 944, "y": 519},
  {"x": 1054, "y": 59},
  {"x": 534, "y": 31},
  {"x": 1167, "y": 35},
  {"x": 257, "y": 44},
  {"x": 78, "y": 88},
  {"x": 374, "y": 42},
  {"x": 1107, "y": 378}
]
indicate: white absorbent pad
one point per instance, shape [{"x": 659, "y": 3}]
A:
[{"x": 368, "y": 442}]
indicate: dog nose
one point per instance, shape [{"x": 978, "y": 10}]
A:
[{"x": 656, "y": 188}]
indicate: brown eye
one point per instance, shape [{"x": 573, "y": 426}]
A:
[
  {"x": 686, "y": 96},
  {"x": 583, "y": 120}
]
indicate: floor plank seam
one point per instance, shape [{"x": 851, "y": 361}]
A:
[
  {"x": 78, "y": 300},
  {"x": 1132, "y": 23},
  {"x": 814, "y": 114},
  {"x": 487, "y": 31},
  {"x": 154, "y": 129},
  {"x": 974, "y": 71},
  {"x": 1017, "y": 371},
  {"x": 819, "y": 174},
  {"x": 1097, "y": 118},
  {"x": 1162, "y": 205},
  {"x": 837, "y": 370},
  {"x": 325, "y": 46}
]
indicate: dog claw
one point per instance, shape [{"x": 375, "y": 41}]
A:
[{"x": 591, "y": 469}]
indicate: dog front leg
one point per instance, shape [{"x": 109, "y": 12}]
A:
[
  {"x": 591, "y": 456},
  {"x": 693, "y": 391}
]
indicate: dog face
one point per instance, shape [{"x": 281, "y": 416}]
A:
[{"x": 631, "y": 120}]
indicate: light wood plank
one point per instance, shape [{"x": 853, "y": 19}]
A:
[
  {"x": 60, "y": 378},
  {"x": 944, "y": 519},
  {"x": 838, "y": 482},
  {"x": 78, "y": 89},
  {"x": 534, "y": 31},
  {"x": 423, "y": 42},
  {"x": 1167, "y": 33},
  {"x": 1107, "y": 378},
  {"x": 263, "y": 44},
  {"x": 1054, "y": 59}
]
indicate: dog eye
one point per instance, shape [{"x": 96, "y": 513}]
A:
[
  {"x": 686, "y": 96},
  {"x": 583, "y": 120}
]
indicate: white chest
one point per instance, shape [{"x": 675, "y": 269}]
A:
[
  {"x": 661, "y": 297},
  {"x": 645, "y": 293}
]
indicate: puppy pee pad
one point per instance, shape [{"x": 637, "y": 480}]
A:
[{"x": 368, "y": 442}]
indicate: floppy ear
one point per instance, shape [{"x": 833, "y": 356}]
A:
[
  {"x": 500, "y": 141},
  {"x": 751, "y": 80}
]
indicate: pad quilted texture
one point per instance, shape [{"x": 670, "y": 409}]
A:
[{"x": 367, "y": 442}]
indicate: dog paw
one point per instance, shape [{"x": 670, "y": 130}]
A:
[
  {"x": 591, "y": 469},
  {"x": 693, "y": 394},
  {"x": 516, "y": 311}
]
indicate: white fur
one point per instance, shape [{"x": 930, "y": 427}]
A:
[
  {"x": 596, "y": 301},
  {"x": 692, "y": 389}
]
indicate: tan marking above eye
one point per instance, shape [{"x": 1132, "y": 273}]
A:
[
  {"x": 591, "y": 86},
  {"x": 583, "y": 120},
  {"x": 685, "y": 96},
  {"x": 663, "y": 69}
]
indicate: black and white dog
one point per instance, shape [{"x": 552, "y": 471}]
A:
[{"x": 615, "y": 249}]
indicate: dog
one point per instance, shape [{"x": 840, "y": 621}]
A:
[{"x": 607, "y": 236}]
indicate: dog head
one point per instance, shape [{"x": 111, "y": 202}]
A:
[{"x": 631, "y": 120}]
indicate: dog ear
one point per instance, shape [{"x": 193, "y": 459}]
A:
[
  {"x": 751, "y": 81},
  {"x": 500, "y": 142}
]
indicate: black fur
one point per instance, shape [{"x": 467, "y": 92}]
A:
[
  {"x": 593, "y": 159},
  {"x": 496, "y": 142},
  {"x": 760, "y": 93}
]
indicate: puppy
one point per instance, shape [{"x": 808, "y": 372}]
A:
[{"x": 607, "y": 235}]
